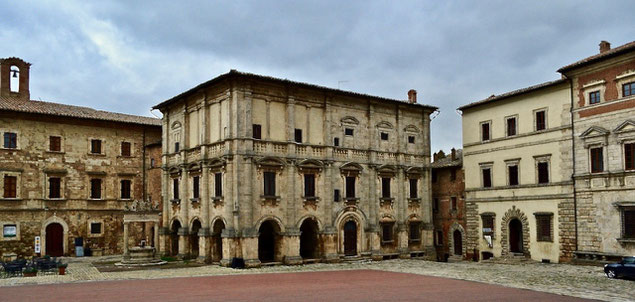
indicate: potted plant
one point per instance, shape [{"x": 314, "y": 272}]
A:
[
  {"x": 62, "y": 268},
  {"x": 30, "y": 271}
]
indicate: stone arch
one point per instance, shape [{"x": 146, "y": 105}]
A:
[
  {"x": 384, "y": 125},
  {"x": 511, "y": 214},
  {"x": 51, "y": 220},
  {"x": 195, "y": 226},
  {"x": 309, "y": 238},
  {"x": 216, "y": 219},
  {"x": 309, "y": 216},
  {"x": 217, "y": 225},
  {"x": 359, "y": 221},
  {"x": 175, "y": 225},
  {"x": 270, "y": 217},
  {"x": 270, "y": 241},
  {"x": 456, "y": 227}
]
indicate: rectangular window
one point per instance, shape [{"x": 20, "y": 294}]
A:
[
  {"x": 487, "y": 177},
  {"x": 257, "y": 131},
  {"x": 298, "y": 135},
  {"x": 125, "y": 188},
  {"x": 488, "y": 222},
  {"x": 543, "y": 172},
  {"x": 414, "y": 190},
  {"x": 336, "y": 141},
  {"x": 543, "y": 227},
  {"x": 628, "y": 222},
  {"x": 453, "y": 201},
  {"x": 95, "y": 188},
  {"x": 511, "y": 126},
  {"x": 628, "y": 89},
  {"x": 309, "y": 185},
  {"x": 411, "y": 139},
  {"x": 196, "y": 187},
  {"x": 55, "y": 143},
  {"x": 175, "y": 188},
  {"x": 435, "y": 205},
  {"x": 95, "y": 146},
  {"x": 152, "y": 163},
  {"x": 55, "y": 187},
  {"x": 270, "y": 183},
  {"x": 541, "y": 122},
  {"x": 485, "y": 132},
  {"x": 629, "y": 156},
  {"x": 384, "y": 136},
  {"x": 453, "y": 174},
  {"x": 10, "y": 140},
  {"x": 125, "y": 149},
  {"x": 348, "y": 131},
  {"x": 385, "y": 187},
  {"x": 95, "y": 228},
  {"x": 10, "y": 186},
  {"x": 336, "y": 195},
  {"x": 386, "y": 232},
  {"x": 415, "y": 231},
  {"x": 176, "y": 147},
  {"x": 597, "y": 160},
  {"x": 594, "y": 97},
  {"x": 350, "y": 187},
  {"x": 439, "y": 238},
  {"x": 218, "y": 184},
  {"x": 513, "y": 175},
  {"x": 433, "y": 176},
  {"x": 9, "y": 230}
]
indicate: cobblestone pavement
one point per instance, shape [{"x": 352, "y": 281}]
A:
[{"x": 577, "y": 281}]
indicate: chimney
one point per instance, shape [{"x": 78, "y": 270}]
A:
[
  {"x": 453, "y": 154},
  {"x": 604, "y": 46},
  {"x": 435, "y": 156},
  {"x": 412, "y": 96}
]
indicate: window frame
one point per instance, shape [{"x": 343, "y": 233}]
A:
[
  {"x": 509, "y": 164},
  {"x": 544, "y": 119},
  {"x": 507, "y": 124},
  {"x": 14, "y": 190},
  {"x": 411, "y": 139},
  {"x": 490, "y": 178},
  {"x": 269, "y": 184},
  {"x": 489, "y": 131},
  {"x": 413, "y": 185},
  {"x": 593, "y": 169},
  {"x": 16, "y": 236},
  {"x": 92, "y": 191},
  {"x": 218, "y": 184},
  {"x": 256, "y": 131},
  {"x": 309, "y": 185},
  {"x": 10, "y": 140},
  {"x": 196, "y": 187},
  {"x": 347, "y": 130},
  {"x": 55, "y": 140},
  {"x": 629, "y": 165},
  {"x": 383, "y": 135},
  {"x": 350, "y": 186},
  {"x": 544, "y": 226},
  {"x": 126, "y": 146},
  {"x": 414, "y": 226},
  {"x": 387, "y": 232},
  {"x": 96, "y": 142},
  {"x": 385, "y": 187},
  {"x": 632, "y": 89},
  {"x": 297, "y": 135},
  {"x": 540, "y": 177},
  {"x": 51, "y": 187},
  {"x": 176, "y": 194},
  {"x": 594, "y": 97}
]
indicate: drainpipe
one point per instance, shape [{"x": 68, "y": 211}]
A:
[
  {"x": 575, "y": 197},
  {"x": 143, "y": 166}
]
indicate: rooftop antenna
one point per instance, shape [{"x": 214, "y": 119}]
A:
[{"x": 339, "y": 83}]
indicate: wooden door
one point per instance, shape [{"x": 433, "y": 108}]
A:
[
  {"x": 55, "y": 240},
  {"x": 458, "y": 243},
  {"x": 515, "y": 236},
  {"x": 350, "y": 238}
]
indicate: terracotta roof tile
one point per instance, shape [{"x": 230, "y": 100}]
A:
[
  {"x": 448, "y": 162},
  {"x": 47, "y": 108},
  {"x": 512, "y": 93},
  {"x": 604, "y": 55}
]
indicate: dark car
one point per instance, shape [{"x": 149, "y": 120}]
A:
[{"x": 622, "y": 269}]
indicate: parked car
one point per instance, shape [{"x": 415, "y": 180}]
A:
[{"x": 622, "y": 269}]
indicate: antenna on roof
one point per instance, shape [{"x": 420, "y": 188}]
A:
[{"x": 341, "y": 82}]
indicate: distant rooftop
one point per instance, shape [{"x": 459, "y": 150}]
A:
[
  {"x": 517, "y": 92},
  {"x": 605, "y": 53},
  {"x": 236, "y": 73}
]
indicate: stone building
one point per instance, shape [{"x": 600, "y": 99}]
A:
[
  {"x": 517, "y": 159},
  {"x": 66, "y": 171},
  {"x": 603, "y": 101},
  {"x": 272, "y": 170},
  {"x": 448, "y": 205}
]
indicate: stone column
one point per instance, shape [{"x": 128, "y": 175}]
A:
[
  {"x": 292, "y": 247},
  {"x": 183, "y": 243},
  {"x": 204, "y": 249},
  {"x": 126, "y": 253},
  {"x": 229, "y": 247},
  {"x": 250, "y": 249},
  {"x": 329, "y": 240},
  {"x": 155, "y": 240},
  {"x": 402, "y": 230}
]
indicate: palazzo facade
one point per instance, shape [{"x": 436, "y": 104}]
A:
[{"x": 276, "y": 171}]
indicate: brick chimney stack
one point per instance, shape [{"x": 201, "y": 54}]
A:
[
  {"x": 412, "y": 96},
  {"x": 453, "y": 154},
  {"x": 605, "y": 46}
]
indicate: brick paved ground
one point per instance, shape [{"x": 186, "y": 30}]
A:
[
  {"x": 351, "y": 285},
  {"x": 577, "y": 281}
]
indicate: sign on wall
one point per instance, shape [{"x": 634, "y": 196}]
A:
[{"x": 37, "y": 244}]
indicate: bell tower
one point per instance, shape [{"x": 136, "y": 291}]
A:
[{"x": 14, "y": 78}]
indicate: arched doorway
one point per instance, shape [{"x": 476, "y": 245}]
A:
[
  {"x": 458, "y": 242},
  {"x": 174, "y": 237},
  {"x": 267, "y": 241},
  {"x": 515, "y": 236},
  {"x": 217, "y": 249},
  {"x": 196, "y": 225},
  {"x": 308, "y": 239},
  {"x": 350, "y": 238},
  {"x": 55, "y": 240}
]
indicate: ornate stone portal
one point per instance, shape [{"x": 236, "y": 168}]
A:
[{"x": 142, "y": 255}]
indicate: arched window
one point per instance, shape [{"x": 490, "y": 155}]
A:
[{"x": 14, "y": 78}]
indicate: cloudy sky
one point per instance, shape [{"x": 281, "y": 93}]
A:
[{"x": 126, "y": 56}]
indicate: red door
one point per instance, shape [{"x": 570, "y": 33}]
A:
[
  {"x": 55, "y": 240},
  {"x": 350, "y": 238}
]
